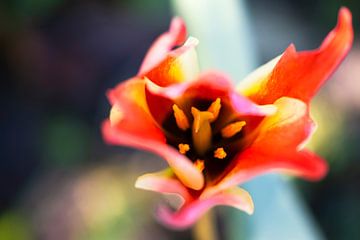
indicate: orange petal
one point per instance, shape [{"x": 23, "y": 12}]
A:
[
  {"x": 133, "y": 126},
  {"x": 289, "y": 127},
  {"x": 254, "y": 82},
  {"x": 208, "y": 86},
  {"x": 130, "y": 111},
  {"x": 180, "y": 65},
  {"x": 190, "y": 212},
  {"x": 300, "y": 74},
  {"x": 278, "y": 145},
  {"x": 183, "y": 168},
  {"x": 163, "y": 45},
  {"x": 254, "y": 161},
  {"x": 165, "y": 66}
]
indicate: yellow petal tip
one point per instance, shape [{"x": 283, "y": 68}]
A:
[{"x": 116, "y": 115}]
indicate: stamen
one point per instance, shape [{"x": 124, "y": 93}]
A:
[
  {"x": 232, "y": 129},
  {"x": 199, "y": 164},
  {"x": 183, "y": 148},
  {"x": 180, "y": 117},
  {"x": 220, "y": 153},
  {"x": 201, "y": 130},
  {"x": 215, "y": 108}
]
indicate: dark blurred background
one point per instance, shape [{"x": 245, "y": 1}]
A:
[{"x": 59, "y": 180}]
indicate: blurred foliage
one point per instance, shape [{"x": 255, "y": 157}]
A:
[
  {"x": 23, "y": 8},
  {"x": 102, "y": 205},
  {"x": 329, "y": 138},
  {"x": 66, "y": 141},
  {"x": 14, "y": 226}
]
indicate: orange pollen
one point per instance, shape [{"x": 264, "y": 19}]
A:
[
  {"x": 220, "y": 153},
  {"x": 180, "y": 117},
  {"x": 183, "y": 148},
  {"x": 215, "y": 108},
  {"x": 199, "y": 164},
  {"x": 232, "y": 129}
]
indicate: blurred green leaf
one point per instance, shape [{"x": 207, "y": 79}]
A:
[
  {"x": 14, "y": 226},
  {"x": 66, "y": 141},
  {"x": 26, "y": 8}
]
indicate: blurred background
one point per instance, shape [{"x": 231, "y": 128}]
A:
[{"x": 59, "y": 180}]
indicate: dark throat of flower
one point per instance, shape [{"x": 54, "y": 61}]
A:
[{"x": 204, "y": 136}]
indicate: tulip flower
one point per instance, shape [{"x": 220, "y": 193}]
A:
[{"x": 213, "y": 135}]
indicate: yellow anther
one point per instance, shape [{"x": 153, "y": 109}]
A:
[
  {"x": 183, "y": 148},
  {"x": 199, "y": 164},
  {"x": 196, "y": 122},
  {"x": 215, "y": 108},
  {"x": 220, "y": 153},
  {"x": 232, "y": 129},
  {"x": 180, "y": 117}
]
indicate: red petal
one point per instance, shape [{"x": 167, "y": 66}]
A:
[
  {"x": 289, "y": 128},
  {"x": 253, "y": 83},
  {"x": 165, "y": 66},
  {"x": 133, "y": 126},
  {"x": 163, "y": 44},
  {"x": 179, "y": 65},
  {"x": 181, "y": 165},
  {"x": 300, "y": 74},
  {"x": 189, "y": 213},
  {"x": 208, "y": 86},
  {"x": 277, "y": 145},
  {"x": 128, "y": 101},
  {"x": 254, "y": 162}
]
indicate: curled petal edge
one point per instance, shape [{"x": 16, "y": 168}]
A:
[
  {"x": 253, "y": 162},
  {"x": 180, "y": 65},
  {"x": 131, "y": 125},
  {"x": 209, "y": 85},
  {"x": 300, "y": 74},
  {"x": 254, "y": 81},
  {"x": 163, "y": 182},
  {"x": 163, "y": 44},
  {"x": 278, "y": 145},
  {"x": 189, "y": 213},
  {"x": 288, "y": 128},
  {"x": 181, "y": 165}
]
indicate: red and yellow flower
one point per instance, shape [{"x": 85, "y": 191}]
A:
[{"x": 215, "y": 136}]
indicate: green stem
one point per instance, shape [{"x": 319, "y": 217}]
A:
[{"x": 205, "y": 228}]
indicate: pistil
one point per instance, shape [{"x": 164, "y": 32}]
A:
[{"x": 201, "y": 130}]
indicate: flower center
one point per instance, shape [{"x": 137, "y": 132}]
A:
[{"x": 202, "y": 133}]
